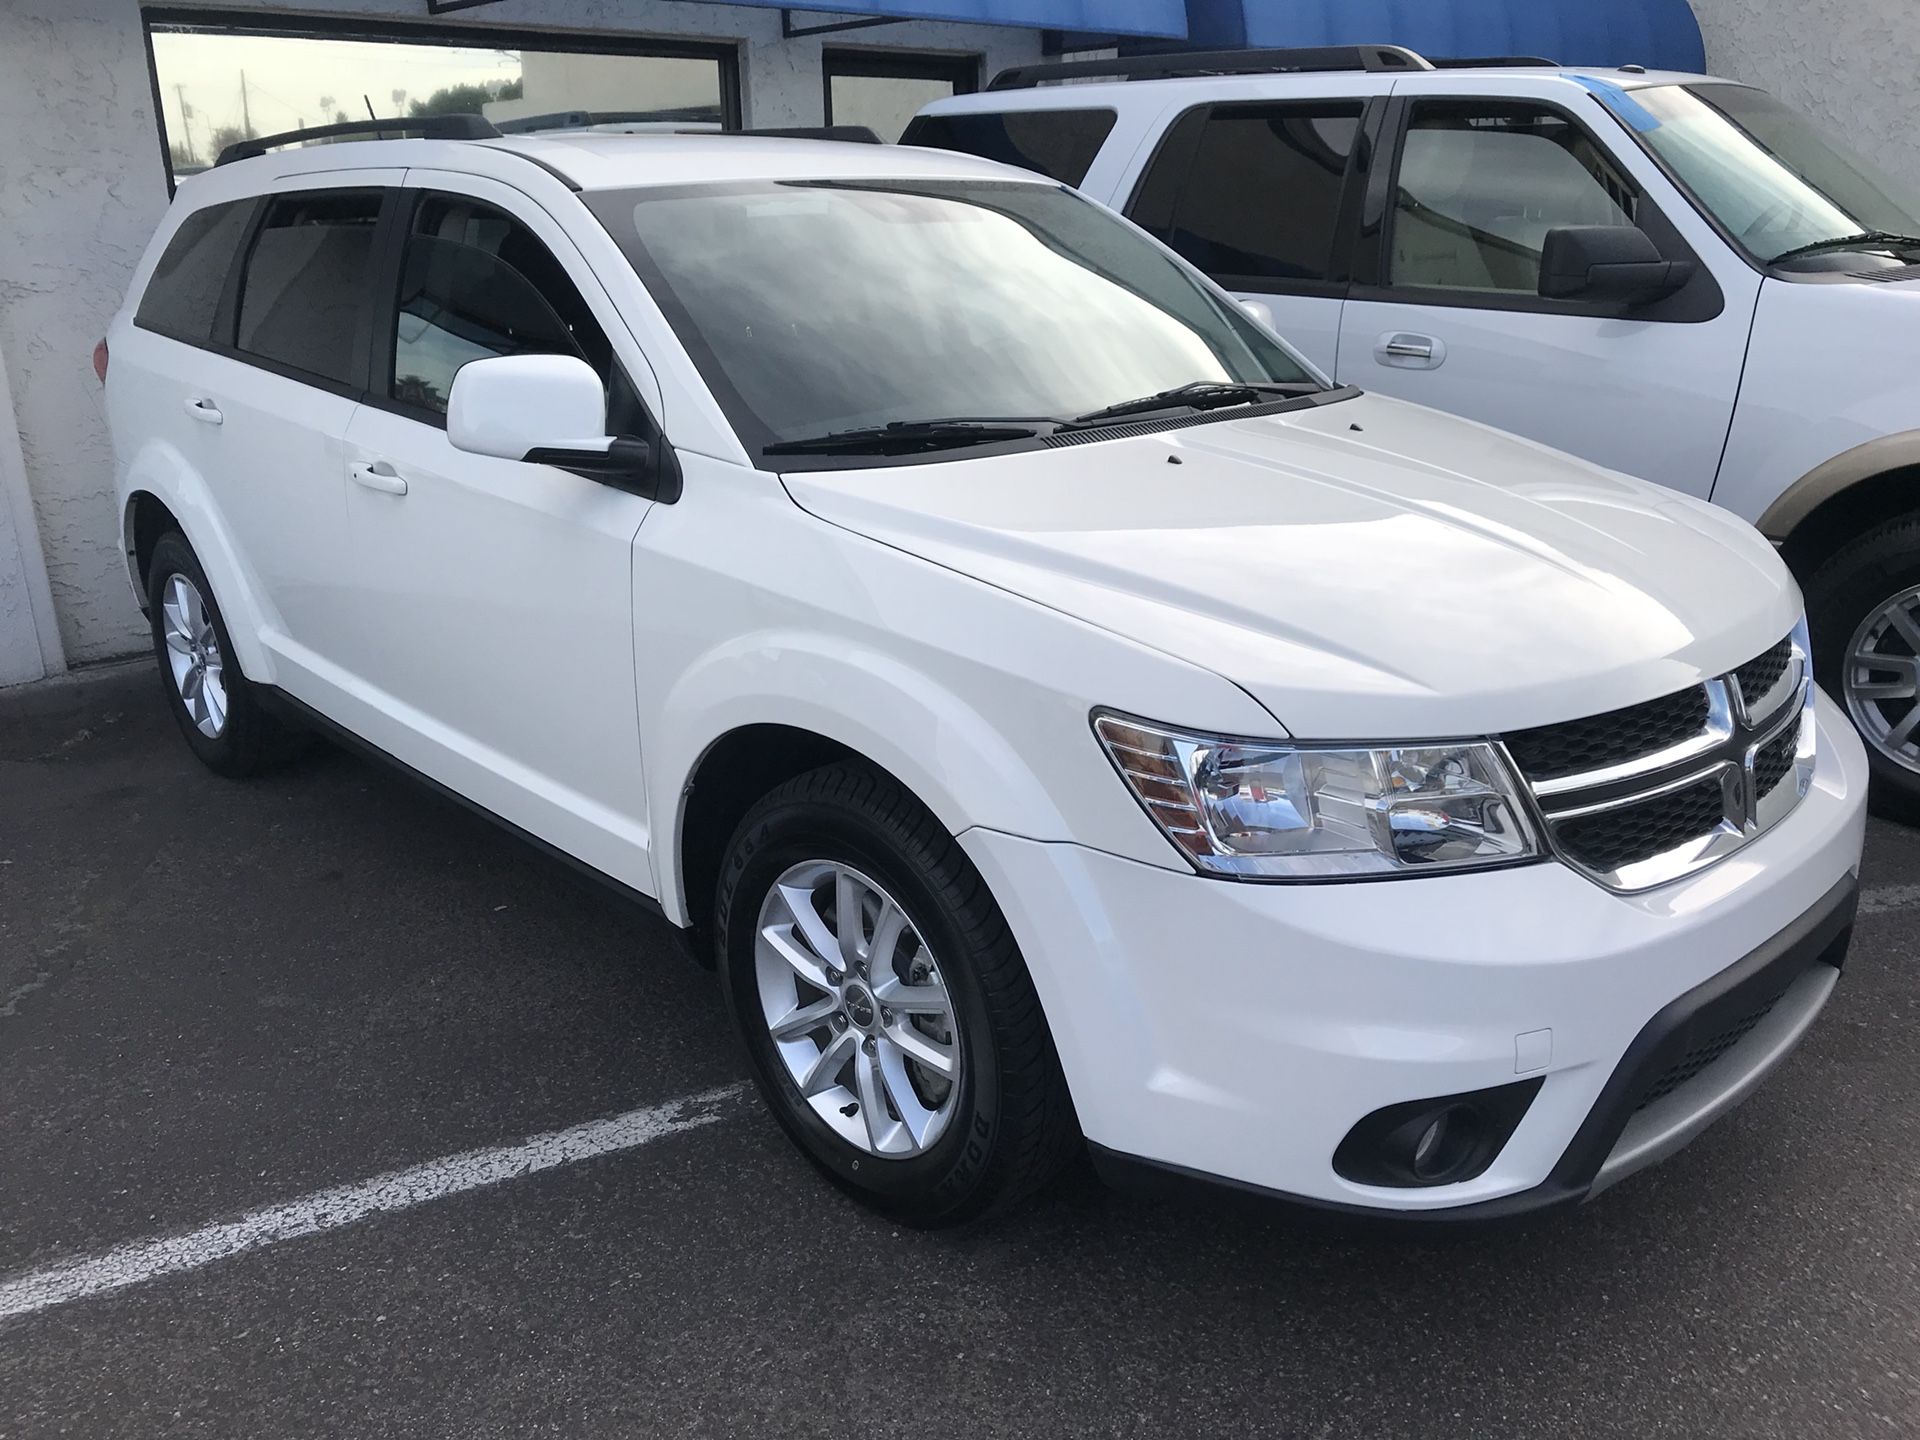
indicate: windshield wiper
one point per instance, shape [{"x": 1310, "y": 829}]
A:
[
  {"x": 1841, "y": 242},
  {"x": 1199, "y": 395},
  {"x": 903, "y": 437}
]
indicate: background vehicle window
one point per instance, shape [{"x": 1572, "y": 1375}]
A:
[
  {"x": 306, "y": 282},
  {"x": 476, "y": 282},
  {"x": 1060, "y": 144},
  {"x": 1252, "y": 192},
  {"x": 192, "y": 274},
  {"x": 1480, "y": 187}
]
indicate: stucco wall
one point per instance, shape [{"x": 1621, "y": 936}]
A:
[
  {"x": 1854, "y": 65},
  {"x": 82, "y": 187}
]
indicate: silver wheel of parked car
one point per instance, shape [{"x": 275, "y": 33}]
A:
[
  {"x": 858, "y": 1012},
  {"x": 193, "y": 655},
  {"x": 1883, "y": 678}
]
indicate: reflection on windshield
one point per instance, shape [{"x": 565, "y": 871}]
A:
[
  {"x": 1771, "y": 179},
  {"x": 823, "y": 306}
]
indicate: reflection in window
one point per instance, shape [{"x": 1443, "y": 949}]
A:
[
  {"x": 478, "y": 283},
  {"x": 221, "y": 85},
  {"x": 1480, "y": 187}
]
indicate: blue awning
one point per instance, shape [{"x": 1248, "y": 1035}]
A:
[
  {"x": 1160, "y": 18},
  {"x": 1660, "y": 34}
]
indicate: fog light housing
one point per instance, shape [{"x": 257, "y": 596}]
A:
[{"x": 1441, "y": 1141}]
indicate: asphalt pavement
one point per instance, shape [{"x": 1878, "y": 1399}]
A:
[{"x": 226, "y": 1007}]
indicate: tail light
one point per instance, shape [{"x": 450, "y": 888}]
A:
[{"x": 100, "y": 361}]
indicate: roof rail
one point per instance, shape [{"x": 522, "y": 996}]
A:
[
  {"x": 855, "y": 134},
  {"x": 1492, "y": 62},
  {"x": 586, "y": 119},
  {"x": 429, "y": 127},
  {"x": 1195, "y": 63}
]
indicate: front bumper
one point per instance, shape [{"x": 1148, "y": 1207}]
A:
[{"x": 1237, "y": 1032}]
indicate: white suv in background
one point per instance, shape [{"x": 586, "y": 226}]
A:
[
  {"x": 1668, "y": 275},
  {"x": 1060, "y": 714}
]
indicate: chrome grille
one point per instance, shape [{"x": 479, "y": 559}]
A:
[{"x": 1640, "y": 796}]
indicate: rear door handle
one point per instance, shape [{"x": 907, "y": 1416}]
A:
[
  {"x": 204, "y": 410},
  {"x": 377, "y": 475},
  {"x": 1405, "y": 350}
]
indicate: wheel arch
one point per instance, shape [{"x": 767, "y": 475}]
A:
[
  {"x": 163, "y": 492},
  {"x": 1843, "y": 498},
  {"x": 770, "y": 706}
]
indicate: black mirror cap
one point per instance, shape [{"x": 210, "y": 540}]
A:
[
  {"x": 1617, "y": 263},
  {"x": 647, "y": 468}
]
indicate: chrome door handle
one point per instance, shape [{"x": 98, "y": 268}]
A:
[
  {"x": 377, "y": 475},
  {"x": 1405, "y": 350},
  {"x": 204, "y": 410}
]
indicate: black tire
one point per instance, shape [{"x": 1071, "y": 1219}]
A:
[
  {"x": 252, "y": 740},
  {"x": 1013, "y": 1128},
  {"x": 1851, "y": 585}
]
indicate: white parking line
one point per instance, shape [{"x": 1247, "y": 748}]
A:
[
  {"x": 1889, "y": 897},
  {"x": 145, "y": 1260}
]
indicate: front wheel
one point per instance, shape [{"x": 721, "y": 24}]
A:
[
  {"x": 1864, "y": 608},
  {"x": 889, "y": 1018}
]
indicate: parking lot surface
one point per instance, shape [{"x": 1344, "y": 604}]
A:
[{"x": 440, "y": 1139}]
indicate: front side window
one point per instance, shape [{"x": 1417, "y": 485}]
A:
[
  {"x": 1481, "y": 185},
  {"x": 304, "y": 293},
  {"x": 477, "y": 283},
  {"x": 1251, "y": 193},
  {"x": 1060, "y": 144},
  {"x": 184, "y": 293},
  {"x": 1774, "y": 182},
  {"x": 817, "y": 306}
]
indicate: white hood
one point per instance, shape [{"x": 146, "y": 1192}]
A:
[{"x": 1366, "y": 569}]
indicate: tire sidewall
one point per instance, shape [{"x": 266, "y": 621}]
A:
[
  {"x": 172, "y": 555},
  {"x": 1841, "y": 596},
  {"x": 946, "y": 1179}
]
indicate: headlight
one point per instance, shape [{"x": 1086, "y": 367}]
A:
[{"x": 1280, "y": 811}]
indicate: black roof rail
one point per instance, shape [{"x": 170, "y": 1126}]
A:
[
  {"x": 1492, "y": 62},
  {"x": 584, "y": 119},
  {"x": 1189, "y": 64},
  {"x": 429, "y": 127},
  {"x": 856, "y": 134}
]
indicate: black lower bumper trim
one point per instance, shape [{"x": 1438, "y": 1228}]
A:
[{"x": 1818, "y": 937}]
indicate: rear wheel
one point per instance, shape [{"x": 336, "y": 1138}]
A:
[
  {"x": 217, "y": 708},
  {"x": 1864, "y": 607},
  {"x": 890, "y": 1020}
]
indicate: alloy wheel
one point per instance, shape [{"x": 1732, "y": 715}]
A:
[
  {"x": 857, "y": 1010},
  {"x": 193, "y": 656},
  {"x": 1883, "y": 679}
]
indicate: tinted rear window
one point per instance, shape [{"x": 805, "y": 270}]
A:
[
  {"x": 1252, "y": 192},
  {"x": 187, "y": 284},
  {"x": 304, "y": 296},
  {"x": 1060, "y": 144}
]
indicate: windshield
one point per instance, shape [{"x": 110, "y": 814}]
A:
[
  {"x": 822, "y": 306},
  {"x": 1772, "y": 180}
]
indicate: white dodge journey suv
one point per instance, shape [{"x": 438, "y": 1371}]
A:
[{"x": 1063, "y": 716}]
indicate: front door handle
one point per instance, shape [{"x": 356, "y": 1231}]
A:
[
  {"x": 1405, "y": 350},
  {"x": 377, "y": 475},
  {"x": 204, "y": 410}
]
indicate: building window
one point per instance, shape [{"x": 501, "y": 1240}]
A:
[
  {"x": 884, "y": 91},
  {"x": 222, "y": 78}
]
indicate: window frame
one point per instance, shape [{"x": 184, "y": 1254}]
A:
[
  {"x": 1340, "y": 258},
  {"x": 963, "y": 70},
  {"x": 306, "y": 26},
  {"x": 1700, "y": 300},
  {"x": 390, "y": 259}
]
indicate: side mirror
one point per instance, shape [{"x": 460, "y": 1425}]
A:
[
  {"x": 1608, "y": 262},
  {"x": 1260, "y": 311},
  {"x": 552, "y": 410},
  {"x": 511, "y": 405}
]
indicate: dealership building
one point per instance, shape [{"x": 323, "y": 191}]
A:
[{"x": 106, "y": 104}]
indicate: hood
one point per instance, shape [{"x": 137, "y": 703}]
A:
[{"x": 1366, "y": 569}]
